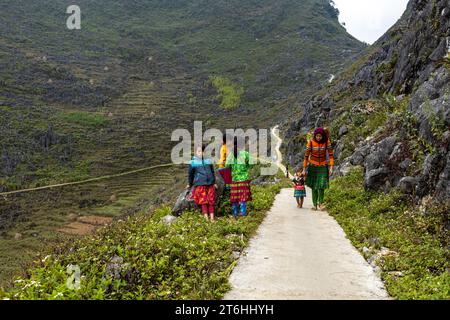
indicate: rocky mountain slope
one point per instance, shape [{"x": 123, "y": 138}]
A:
[{"x": 390, "y": 111}]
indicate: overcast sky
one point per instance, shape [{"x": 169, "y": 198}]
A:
[{"x": 368, "y": 20}]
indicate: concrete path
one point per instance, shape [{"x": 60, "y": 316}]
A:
[{"x": 302, "y": 254}]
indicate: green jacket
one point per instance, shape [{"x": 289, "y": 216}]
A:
[{"x": 240, "y": 167}]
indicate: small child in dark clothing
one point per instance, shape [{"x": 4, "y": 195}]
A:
[{"x": 300, "y": 190}]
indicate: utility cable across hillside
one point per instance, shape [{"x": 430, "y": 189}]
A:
[
  {"x": 107, "y": 177},
  {"x": 86, "y": 181}
]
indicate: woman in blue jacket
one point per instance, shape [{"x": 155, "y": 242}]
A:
[{"x": 203, "y": 179}]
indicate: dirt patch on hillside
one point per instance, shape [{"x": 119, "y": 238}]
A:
[
  {"x": 85, "y": 225},
  {"x": 95, "y": 220}
]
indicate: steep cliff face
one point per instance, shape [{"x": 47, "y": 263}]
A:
[{"x": 390, "y": 111}]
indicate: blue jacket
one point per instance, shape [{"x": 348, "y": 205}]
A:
[{"x": 201, "y": 172}]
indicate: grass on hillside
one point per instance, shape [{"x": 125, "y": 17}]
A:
[
  {"x": 230, "y": 94},
  {"x": 418, "y": 242},
  {"x": 191, "y": 259}
]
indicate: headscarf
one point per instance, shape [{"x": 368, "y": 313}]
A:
[
  {"x": 322, "y": 132},
  {"x": 319, "y": 131}
]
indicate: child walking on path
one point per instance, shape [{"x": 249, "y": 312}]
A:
[
  {"x": 203, "y": 179},
  {"x": 318, "y": 166},
  {"x": 300, "y": 189}
]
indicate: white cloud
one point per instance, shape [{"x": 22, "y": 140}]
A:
[{"x": 368, "y": 20}]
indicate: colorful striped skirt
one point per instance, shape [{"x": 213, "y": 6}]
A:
[
  {"x": 240, "y": 192},
  {"x": 317, "y": 177},
  {"x": 300, "y": 192},
  {"x": 204, "y": 195}
]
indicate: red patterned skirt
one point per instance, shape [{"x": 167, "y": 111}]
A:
[
  {"x": 204, "y": 195},
  {"x": 240, "y": 192}
]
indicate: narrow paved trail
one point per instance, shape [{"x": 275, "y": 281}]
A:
[{"x": 302, "y": 254}]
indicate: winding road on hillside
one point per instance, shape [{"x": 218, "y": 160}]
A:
[
  {"x": 302, "y": 254},
  {"x": 279, "y": 156}
]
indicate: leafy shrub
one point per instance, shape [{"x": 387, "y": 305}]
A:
[{"x": 436, "y": 121}]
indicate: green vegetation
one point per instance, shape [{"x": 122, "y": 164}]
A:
[
  {"x": 362, "y": 119},
  {"x": 417, "y": 266},
  {"x": 190, "y": 259},
  {"x": 418, "y": 146},
  {"x": 388, "y": 68},
  {"x": 446, "y": 61},
  {"x": 230, "y": 94},
  {"x": 437, "y": 122},
  {"x": 86, "y": 119}
]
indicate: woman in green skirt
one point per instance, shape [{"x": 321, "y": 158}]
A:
[{"x": 318, "y": 167}]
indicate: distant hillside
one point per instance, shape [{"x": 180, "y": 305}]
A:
[{"x": 105, "y": 98}]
